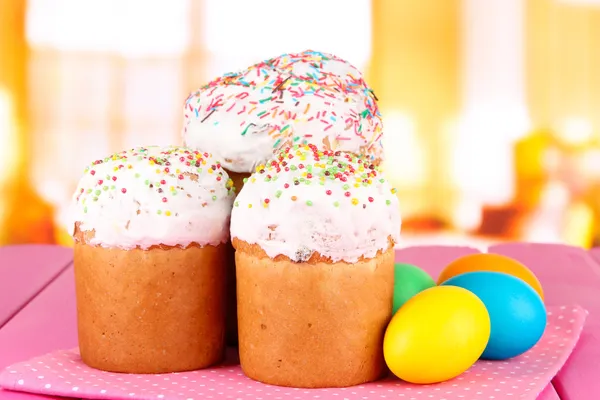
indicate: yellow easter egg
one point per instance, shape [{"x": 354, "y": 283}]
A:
[{"x": 437, "y": 335}]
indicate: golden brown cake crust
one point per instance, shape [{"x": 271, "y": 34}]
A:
[
  {"x": 150, "y": 311},
  {"x": 317, "y": 324}
]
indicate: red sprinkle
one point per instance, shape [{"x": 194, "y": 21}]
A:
[
  {"x": 328, "y": 192},
  {"x": 287, "y": 185},
  {"x": 371, "y": 199},
  {"x": 180, "y": 177},
  {"x": 114, "y": 178},
  {"x": 164, "y": 199},
  {"x": 124, "y": 190},
  {"x": 347, "y": 194}
]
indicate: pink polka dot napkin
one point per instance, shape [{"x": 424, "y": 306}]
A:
[{"x": 63, "y": 374}]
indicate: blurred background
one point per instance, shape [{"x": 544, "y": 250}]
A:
[{"x": 491, "y": 107}]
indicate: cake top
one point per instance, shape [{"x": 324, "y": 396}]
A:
[
  {"x": 154, "y": 195},
  {"x": 306, "y": 200},
  {"x": 244, "y": 118}
]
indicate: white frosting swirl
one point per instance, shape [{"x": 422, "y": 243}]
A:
[
  {"x": 244, "y": 118},
  {"x": 306, "y": 200},
  {"x": 154, "y": 196}
]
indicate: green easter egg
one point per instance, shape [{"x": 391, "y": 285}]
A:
[{"x": 408, "y": 281}]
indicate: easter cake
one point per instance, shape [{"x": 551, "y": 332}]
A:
[
  {"x": 314, "y": 233},
  {"x": 244, "y": 118},
  {"x": 151, "y": 232}
]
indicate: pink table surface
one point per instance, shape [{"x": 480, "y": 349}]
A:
[
  {"x": 595, "y": 252},
  {"x": 25, "y": 271},
  {"x": 47, "y": 321}
]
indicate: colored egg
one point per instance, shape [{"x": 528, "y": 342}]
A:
[
  {"x": 517, "y": 313},
  {"x": 408, "y": 281},
  {"x": 436, "y": 335},
  {"x": 491, "y": 262}
]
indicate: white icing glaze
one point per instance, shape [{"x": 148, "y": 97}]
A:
[
  {"x": 154, "y": 195},
  {"x": 244, "y": 118},
  {"x": 338, "y": 206}
]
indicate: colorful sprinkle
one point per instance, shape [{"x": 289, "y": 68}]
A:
[{"x": 173, "y": 164}]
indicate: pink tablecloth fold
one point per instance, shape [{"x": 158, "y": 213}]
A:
[{"x": 63, "y": 374}]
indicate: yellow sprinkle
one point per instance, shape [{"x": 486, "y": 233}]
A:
[
  {"x": 356, "y": 185},
  {"x": 294, "y": 198},
  {"x": 177, "y": 171},
  {"x": 250, "y": 111},
  {"x": 304, "y": 174},
  {"x": 151, "y": 162},
  {"x": 355, "y": 201},
  {"x": 307, "y": 108},
  {"x": 253, "y": 180},
  {"x": 157, "y": 171},
  {"x": 115, "y": 168},
  {"x": 265, "y": 205},
  {"x": 229, "y": 184},
  {"x": 249, "y": 205},
  {"x": 394, "y": 190},
  {"x": 210, "y": 170},
  {"x": 172, "y": 188},
  {"x": 167, "y": 213}
]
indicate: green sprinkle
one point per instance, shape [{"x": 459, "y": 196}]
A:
[
  {"x": 88, "y": 191},
  {"x": 246, "y": 129},
  {"x": 262, "y": 102},
  {"x": 159, "y": 212},
  {"x": 236, "y": 204},
  {"x": 85, "y": 209},
  {"x": 293, "y": 167},
  {"x": 214, "y": 198},
  {"x": 245, "y": 180},
  {"x": 95, "y": 199},
  {"x": 278, "y": 193},
  {"x": 147, "y": 182},
  {"x": 296, "y": 138},
  {"x": 276, "y": 144},
  {"x": 336, "y": 203},
  {"x": 105, "y": 188},
  {"x": 388, "y": 202},
  {"x": 97, "y": 192},
  {"x": 309, "y": 203},
  {"x": 346, "y": 186},
  {"x": 284, "y": 128},
  {"x": 137, "y": 175}
]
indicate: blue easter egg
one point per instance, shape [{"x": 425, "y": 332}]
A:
[{"x": 517, "y": 313}]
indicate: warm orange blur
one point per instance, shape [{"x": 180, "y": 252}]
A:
[{"x": 491, "y": 107}]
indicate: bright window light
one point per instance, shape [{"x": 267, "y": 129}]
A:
[
  {"x": 238, "y": 33},
  {"x": 133, "y": 28}
]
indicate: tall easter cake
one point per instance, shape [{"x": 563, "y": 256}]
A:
[
  {"x": 151, "y": 232},
  {"x": 314, "y": 232}
]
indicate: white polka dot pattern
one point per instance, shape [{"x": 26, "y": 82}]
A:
[{"x": 63, "y": 374}]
